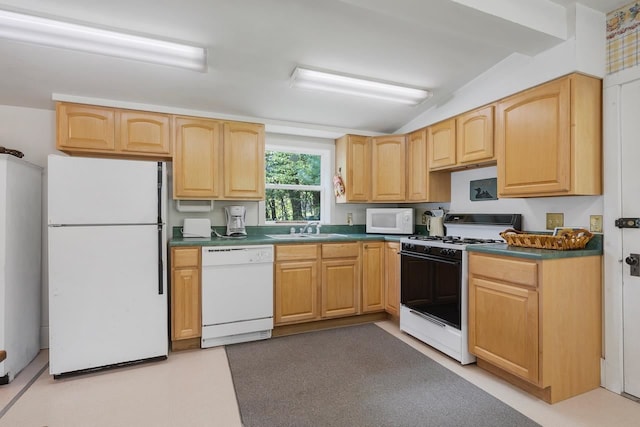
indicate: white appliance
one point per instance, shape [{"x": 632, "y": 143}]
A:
[
  {"x": 20, "y": 260},
  {"x": 390, "y": 220},
  {"x": 236, "y": 220},
  {"x": 237, "y": 294},
  {"x": 107, "y": 251},
  {"x": 434, "y": 275},
  {"x": 196, "y": 227}
]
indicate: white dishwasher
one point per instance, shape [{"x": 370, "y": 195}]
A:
[{"x": 237, "y": 294}]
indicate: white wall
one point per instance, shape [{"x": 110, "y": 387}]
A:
[
  {"x": 338, "y": 212},
  {"x": 32, "y": 131},
  {"x": 583, "y": 52},
  {"x": 576, "y": 209}
]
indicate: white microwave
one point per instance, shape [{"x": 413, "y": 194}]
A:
[{"x": 390, "y": 220}]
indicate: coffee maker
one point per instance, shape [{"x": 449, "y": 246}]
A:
[{"x": 235, "y": 216}]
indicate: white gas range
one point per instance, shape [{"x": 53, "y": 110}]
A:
[{"x": 434, "y": 272}]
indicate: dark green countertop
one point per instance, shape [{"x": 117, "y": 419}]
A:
[
  {"x": 593, "y": 248},
  {"x": 257, "y": 236}
]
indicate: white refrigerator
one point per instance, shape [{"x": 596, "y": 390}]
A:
[
  {"x": 20, "y": 260},
  {"x": 107, "y": 252}
]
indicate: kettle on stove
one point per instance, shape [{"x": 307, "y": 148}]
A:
[{"x": 435, "y": 225}]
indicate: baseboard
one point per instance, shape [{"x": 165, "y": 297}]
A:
[
  {"x": 44, "y": 337},
  {"x": 297, "y": 328}
]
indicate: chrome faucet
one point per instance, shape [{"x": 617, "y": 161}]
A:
[{"x": 309, "y": 224}]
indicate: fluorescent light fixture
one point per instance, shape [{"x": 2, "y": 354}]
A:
[
  {"x": 318, "y": 80},
  {"x": 47, "y": 32}
]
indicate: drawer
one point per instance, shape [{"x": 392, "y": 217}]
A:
[
  {"x": 296, "y": 252},
  {"x": 185, "y": 257},
  {"x": 513, "y": 270},
  {"x": 340, "y": 250}
]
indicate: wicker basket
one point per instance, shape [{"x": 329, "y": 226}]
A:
[{"x": 565, "y": 240}]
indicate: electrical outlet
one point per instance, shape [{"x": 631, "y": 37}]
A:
[
  {"x": 554, "y": 220},
  {"x": 595, "y": 223}
]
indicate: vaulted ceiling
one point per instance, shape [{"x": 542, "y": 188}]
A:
[{"x": 254, "y": 45}]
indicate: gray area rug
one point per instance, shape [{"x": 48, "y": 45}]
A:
[{"x": 355, "y": 376}]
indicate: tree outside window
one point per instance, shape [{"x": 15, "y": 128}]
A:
[{"x": 293, "y": 186}]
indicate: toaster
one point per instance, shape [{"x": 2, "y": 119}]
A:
[{"x": 196, "y": 227}]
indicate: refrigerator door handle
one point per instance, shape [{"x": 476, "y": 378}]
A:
[{"x": 160, "y": 264}]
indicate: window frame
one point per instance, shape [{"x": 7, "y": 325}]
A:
[{"x": 326, "y": 166}]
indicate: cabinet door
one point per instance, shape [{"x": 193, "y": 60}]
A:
[
  {"x": 372, "y": 276},
  {"x": 144, "y": 133},
  {"x": 392, "y": 278},
  {"x": 185, "y": 304},
  {"x": 474, "y": 136},
  {"x": 296, "y": 292},
  {"x": 340, "y": 287},
  {"x": 243, "y": 161},
  {"x": 388, "y": 168},
  {"x": 441, "y": 145},
  {"x": 503, "y": 326},
  {"x": 197, "y": 159},
  {"x": 83, "y": 127},
  {"x": 417, "y": 172},
  {"x": 353, "y": 164},
  {"x": 358, "y": 168},
  {"x": 533, "y": 141}
]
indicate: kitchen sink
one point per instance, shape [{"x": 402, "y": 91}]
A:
[
  {"x": 326, "y": 235},
  {"x": 305, "y": 236}
]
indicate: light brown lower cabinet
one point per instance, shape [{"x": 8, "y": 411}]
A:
[
  {"x": 340, "y": 279},
  {"x": 392, "y": 278},
  {"x": 296, "y": 291},
  {"x": 316, "y": 281},
  {"x": 373, "y": 291},
  {"x": 186, "y": 320},
  {"x": 537, "y": 323}
]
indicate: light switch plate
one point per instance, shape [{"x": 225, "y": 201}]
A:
[
  {"x": 595, "y": 223},
  {"x": 554, "y": 220}
]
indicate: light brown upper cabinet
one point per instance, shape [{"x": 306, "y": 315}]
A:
[
  {"x": 474, "y": 136},
  {"x": 353, "y": 164},
  {"x": 422, "y": 185},
  {"x": 549, "y": 139},
  {"x": 441, "y": 145},
  {"x": 110, "y": 132},
  {"x": 144, "y": 133},
  {"x": 218, "y": 160},
  {"x": 388, "y": 168},
  {"x": 197, "y": 159},
  {"x": 243, "y": 147}
]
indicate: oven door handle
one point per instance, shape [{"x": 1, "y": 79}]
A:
[
  {"x": 429, "y": 318},
  {"x": 431, "y": 258}
]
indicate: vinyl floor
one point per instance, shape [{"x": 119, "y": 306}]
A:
[{"x": 194, "y": 388}]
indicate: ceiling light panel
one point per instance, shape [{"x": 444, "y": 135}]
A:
[
  {"x": 317, "y": 80},
  {"x": 48, "y": 32}
]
